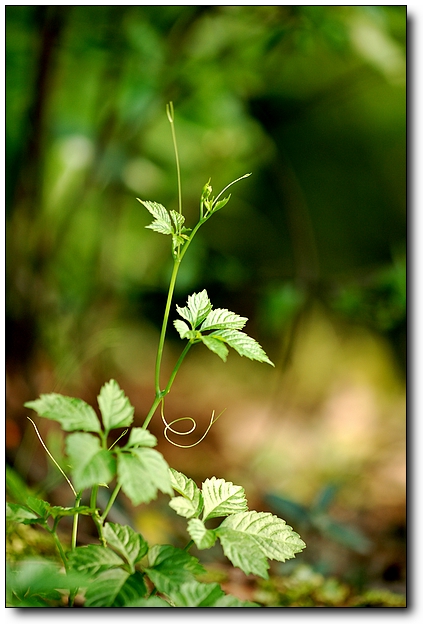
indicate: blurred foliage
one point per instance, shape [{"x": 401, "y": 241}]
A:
[{"x": 311, "y": 99}]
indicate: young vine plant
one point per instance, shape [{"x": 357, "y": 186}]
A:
[{"x": 122, "y": 569}]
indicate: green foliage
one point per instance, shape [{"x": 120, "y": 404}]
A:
[
  {"x": 123, "y": 570},
  {"x": 223, "y": 326}
]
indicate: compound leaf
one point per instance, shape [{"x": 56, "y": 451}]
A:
[
  {"x": 127, "y": 542},
  {"x": 221, "y": 318},
  {"x": 104, "y": 589},
  {"x": 196, "y": 594},
  {"x": 141, "y": 473},
  {"x": 222, "y": 498},
  {"x": 198, "y": 307},
  {"x": 115, "y": 407},
  {"x": 162, "y": 222},
  {"x": 90, "y": 463},
  {"x": 243, "y": 344},
  {"x": 250, "y": 538},
  {"x": 140, "y": 437},
  {"x": 204, "y": 538},
  {"x": 93, "y": 558},
  {"x": 72, "y": 414},
  {"x": 182, "y": 328},
  {"x": 216, "y": 344},
  {"x": 170, "y": 567}
]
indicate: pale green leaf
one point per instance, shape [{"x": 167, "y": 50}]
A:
[
  {"x": 198, "y": 307},
  {"x": 115, "y": 407},
  {"x": 90, "y": 463},
  {"x": 186, "y": 508},
  {"x": 127, "y": 542},
  {"x": 190, "y": 503},
  {"x": 141, "y": 473},
  {"x": 215, "y": 344},
  {"x": 182, "y": 328},
  {"x": 222, "y": 498},
  {"x": 221, "y": 318},
  {"x": 219, "y": 204},
  {"x": 243, "y": 344},
  {"x": 204, "y": 538},
  {"x": 178, "y": 219},
  {"x": 140, "y": 437},
  {"x": 250, "y": 538},
  {"x": 72, "y": 414},
  {"x": 183, "y": 484},
  {"x": 162, "y": 222}
]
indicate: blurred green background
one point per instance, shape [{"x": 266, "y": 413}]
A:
[{"x": 311, "y": 247}]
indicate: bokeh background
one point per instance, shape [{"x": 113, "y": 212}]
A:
[{"x": 311, "y": 248}]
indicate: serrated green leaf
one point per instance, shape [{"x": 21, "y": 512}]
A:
[
  {"x": 93, "y": 559},
  {"x": 21, "y": 514},
  {"x": 250, "y": 538},
  {"x": 162, "y": 222},
  {"x": 72, "y": 414},
  {"x": 218, "y": 205},
  {"x": 90, "y": 463},
  {"x": 190, "y": 503},
  {"x": 41, "y": 507},
  {"x": 243, "y": 344},
  {"x": 127, "y": 542},
  {"x": 204, "y": 538},
  {"x": 104, "y": 589},
  {"x": 183, "y": 484},
  {"x": 182, "y": 328},
  {"x": 185, "y": 507},
  {"x": 170, "y": 567},
  {"x": 141, "y": 473},
  {"x": 221, "y": 318},
  {"x": 198, "y": 307},
  {"x": 178, "y": 219},
  {"x": 115, "y": 407},
  {"x": 140, "y": 437},
  {"x": 215, "y": 344},
  {"x": 222, "y": 498},
  {"x": 196, "y": 594},
  {"x": 62, "y": 512}
]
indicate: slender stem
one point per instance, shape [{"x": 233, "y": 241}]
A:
[
  {"x": 110, "y": 503},
  {"x": 51, "y": 456},
  {"x": 176, "y": 368},
  {"x": 160, "y": 396},
  {"x": 188, "y": 546},
  {"x": 164, "y": 325},
  {"x": 171, "y": 117},
  {"x": 75, "y": 521},
  {"x": 60, "y": 548}
]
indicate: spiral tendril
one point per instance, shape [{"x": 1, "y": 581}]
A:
[{"x": 169, "y": 427}]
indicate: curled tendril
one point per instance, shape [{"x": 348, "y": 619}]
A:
[{"x": 168, "y": 427}]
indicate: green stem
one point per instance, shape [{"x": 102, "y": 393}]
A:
[
  {"x": 110, "y": 503},
  {"x": 160, "y": 396},
  {"x": 60, "y": 548},
  {"x": 75, "y": 521},
  {"x": 164, "y": 326}
]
